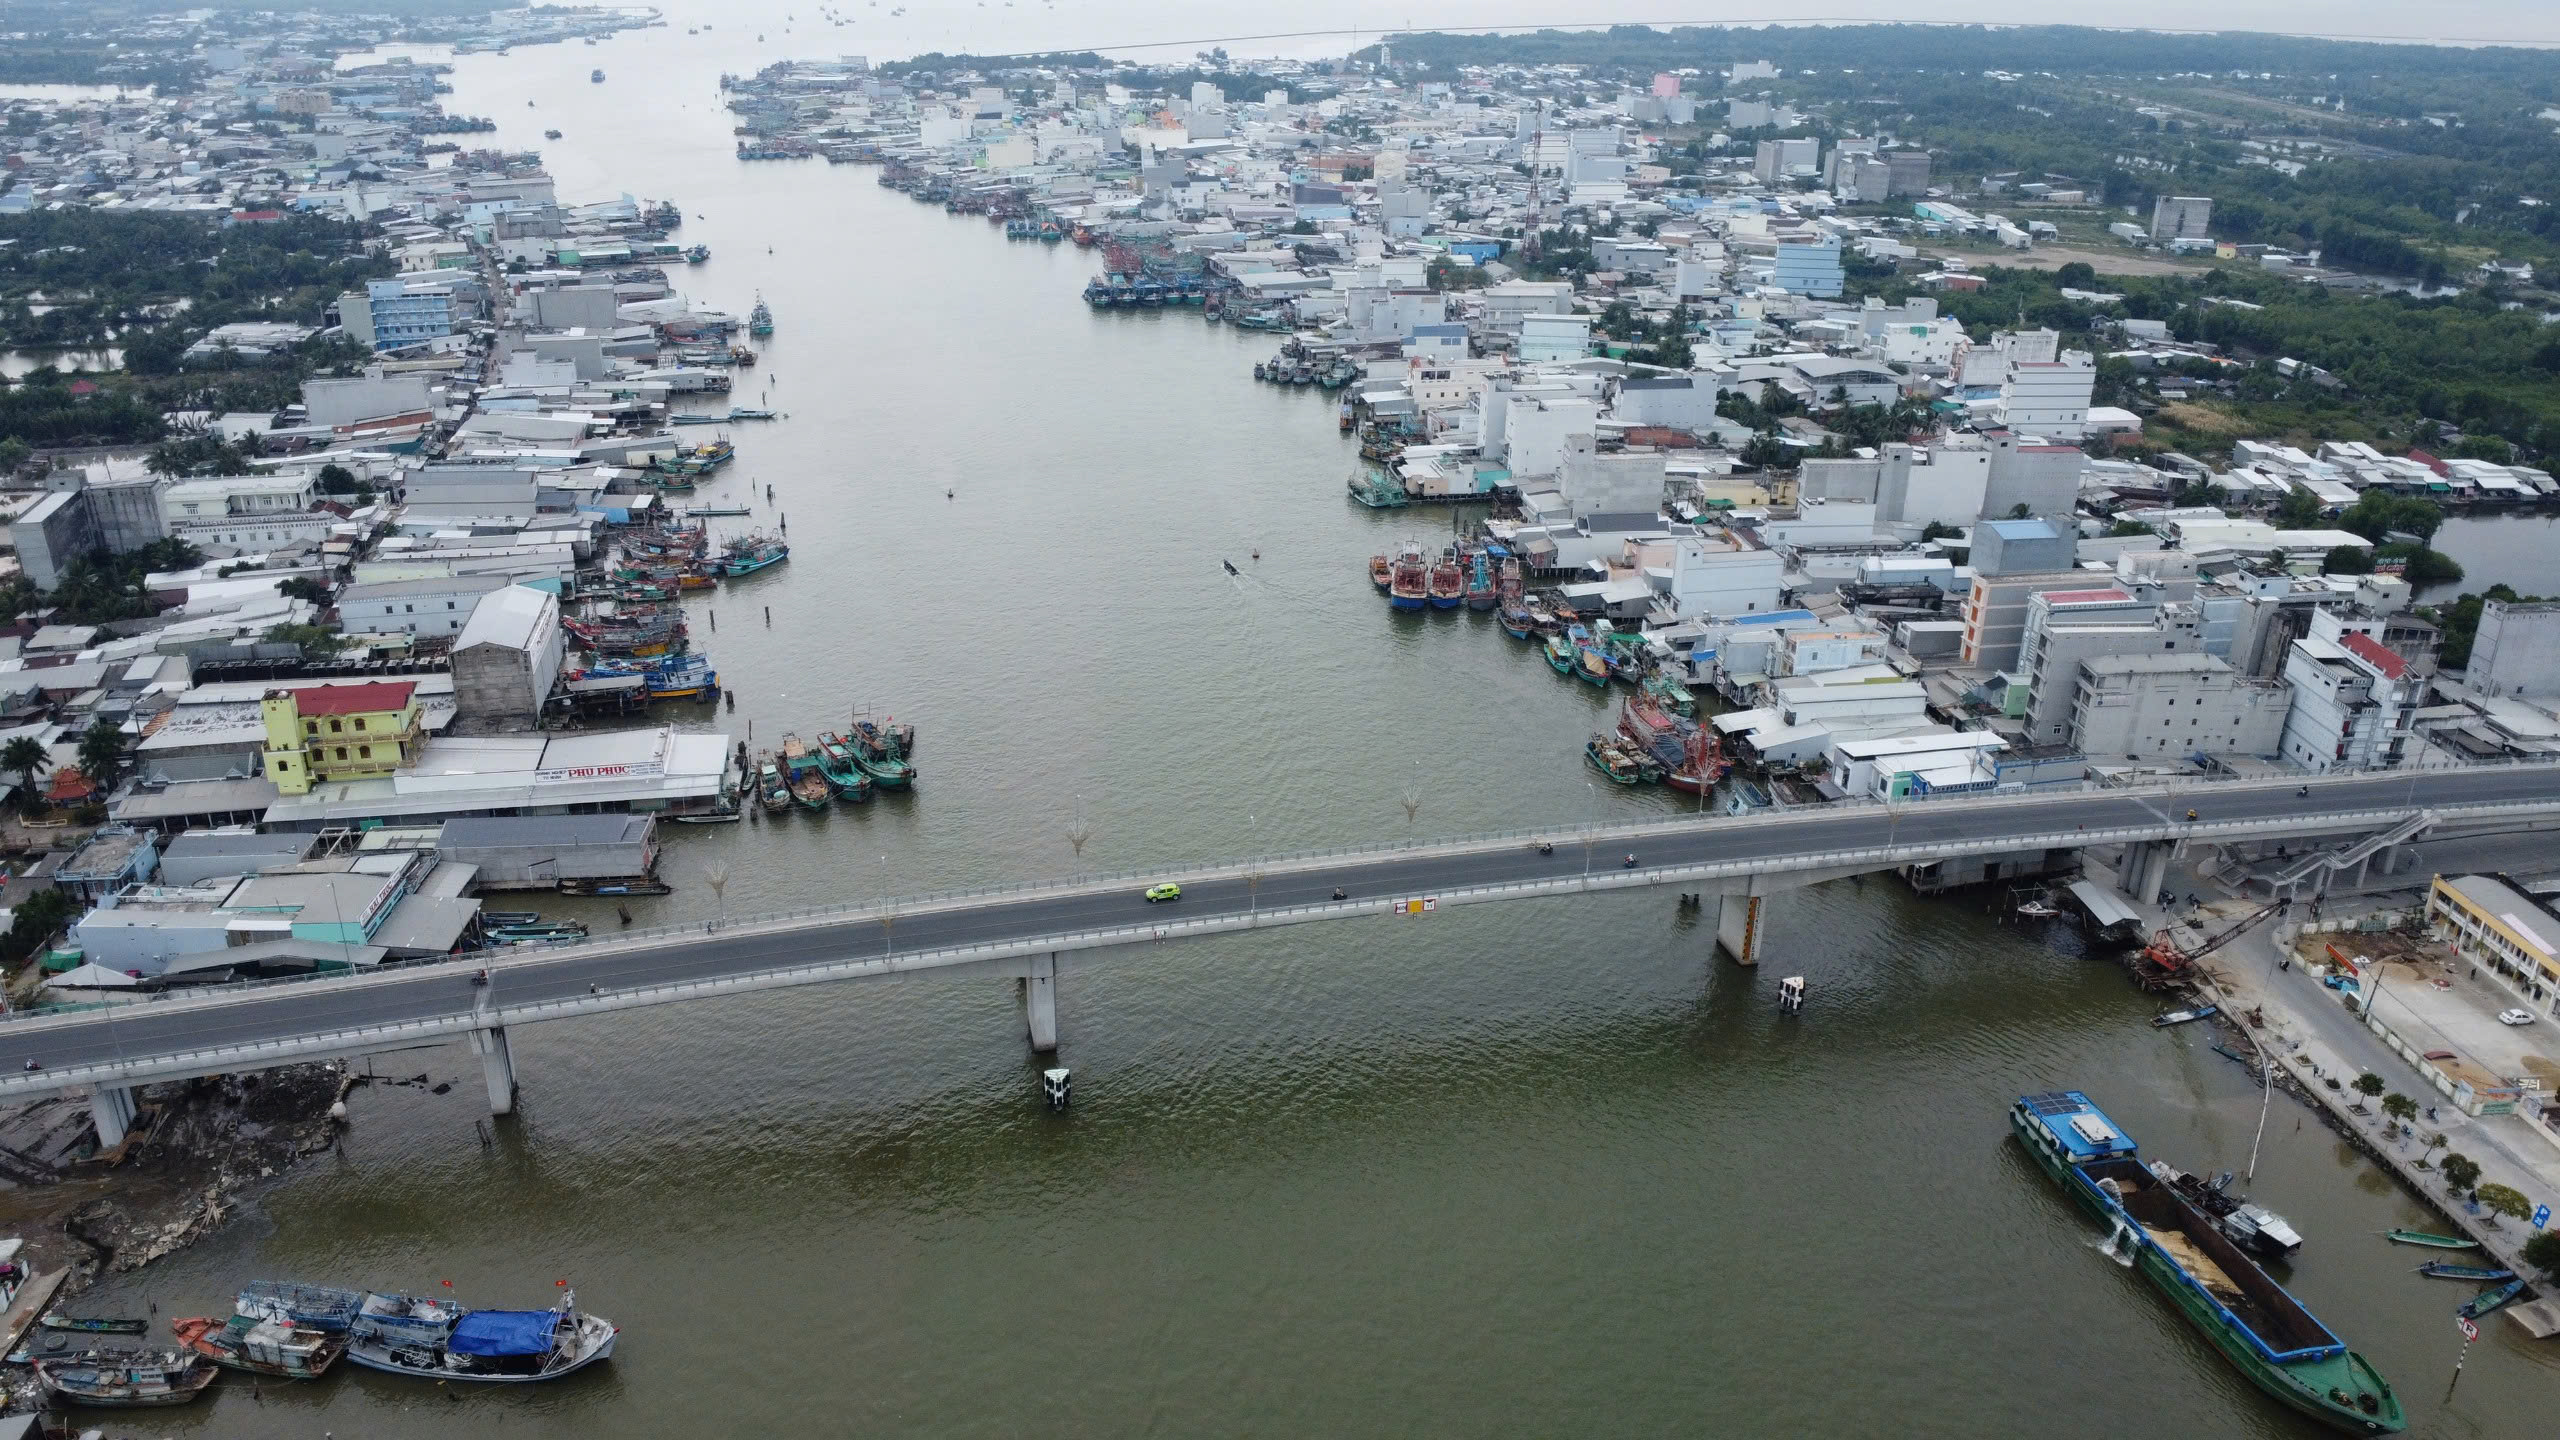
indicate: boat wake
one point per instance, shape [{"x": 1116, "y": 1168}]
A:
[{"x": 2118, "y": 1247}]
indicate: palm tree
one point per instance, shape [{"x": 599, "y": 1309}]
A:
[
  {"x": 102, "y": 754},
  {"x": 26, "y": 755}
]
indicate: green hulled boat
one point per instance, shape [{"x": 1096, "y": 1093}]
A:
[
  {"x": 843, "y": 773},
  {"x": 800, "y": 771},
  {"x": 1611, "y": 759},
  {"x": 2256, "y": 1324},
  {"x": 877, "y": 750},
  {"x": 2432, "y": 1242},
  {"x": 1560, "y": 654}
]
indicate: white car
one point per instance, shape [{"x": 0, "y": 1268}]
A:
[{"x": 2515, "y": 1017}]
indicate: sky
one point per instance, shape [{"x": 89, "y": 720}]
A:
[{"x": 993, "y": 26}]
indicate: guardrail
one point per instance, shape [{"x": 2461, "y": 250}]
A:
[
  {"x": 1891, "y": 812},
  {"x": 212, "y": 1059}
]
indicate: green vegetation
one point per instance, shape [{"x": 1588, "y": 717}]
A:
[
  {"x": 2460, "y": 622},
  {"x": 102, "y": 753},
  {"x": 38, "y": 918},
  {"x": 2503, "y": 1201},
  {"x": 2461, "y": 1172},
  {"x": 2370, "y": 1085},
  {"x": 2347, "y": 560},
  {"x": 2542, "y": 1251},
  {"x": 317, "y": 641},
  {"x": 119, "y": 275},
  {"x": 99, "y": 589}
]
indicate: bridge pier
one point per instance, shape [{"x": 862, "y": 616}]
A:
[
  {"x": 1040, "y": 1003},
  {"x": 1739, "y": 921},
  {"x": 111, "y": 1110},
  {"x": 497, "y": 1066}
]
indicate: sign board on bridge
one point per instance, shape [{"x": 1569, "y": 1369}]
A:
[{"x": 1423, "y": 906}]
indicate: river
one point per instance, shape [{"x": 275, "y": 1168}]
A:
[{"x": 1530, "y": 1170}]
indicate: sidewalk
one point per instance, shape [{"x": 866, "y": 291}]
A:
[{"x": 2323, "y": 1046}]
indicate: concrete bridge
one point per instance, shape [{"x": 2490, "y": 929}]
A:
[{"x": 1026, "y": 934}]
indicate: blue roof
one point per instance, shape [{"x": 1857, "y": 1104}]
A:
[
  {"x": 2078, "y": 1125},
  {"x": 503, "y": 1332},
  {"x": 1772, "y": 617}
]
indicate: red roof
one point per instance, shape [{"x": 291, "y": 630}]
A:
[
  {"x": 2431, "y": 462},
  {"x": 2364, "y": 647},
  {"x": 365, "y": 699}
]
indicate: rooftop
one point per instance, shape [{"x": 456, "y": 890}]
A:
[
  {"x": 366, "y": 699},
  {"x": 2364, "y": 647}
]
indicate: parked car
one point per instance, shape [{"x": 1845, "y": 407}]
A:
[{"x": 2515, "y": 1017}]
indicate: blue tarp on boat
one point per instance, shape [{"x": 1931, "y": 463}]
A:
[{"x": 503, "y": 1332}]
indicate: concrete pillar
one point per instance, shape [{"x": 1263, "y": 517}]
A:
[
  {"x": 111, "y": 1111},
  {"x": 1739, "y": 923},
  {"x": 498, "y": 1067},
  {"x": 1040, "y": 1003}
]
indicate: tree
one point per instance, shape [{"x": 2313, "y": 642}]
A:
[
  {"x": 2021, "y": 510},
  {"x": 102, "y": 751},
  {"x": 2347, "y": 560},
  {"x": 37, "y": 919},
  {"x": 2504, "y": 1200},
  {"x": 26, "y": 755},
  {"x": 1939, "y": 530},
  {"x": 2542, "y": 1251},
  {"x": 2461, "y": 1172},
  {"x": 2369, "y": 1085},
  {"x": 338, "y": 480},
  {"x": 2126, "y": 529},
  {"x": 315, "y": 640},
  {"x": 2299, "y": 510},
  {"x": 13, "y": 453},
  {"x": 304, "y": 587},
  {"x": 2400, "y": 1107}
]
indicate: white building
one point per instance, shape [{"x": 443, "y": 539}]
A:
[
  {"x": 2353, "y": 704},
  {"x": 438, "y": 606},
  {"x": 1721, "y": 575},
  {"x": 2043, "y": 392}
]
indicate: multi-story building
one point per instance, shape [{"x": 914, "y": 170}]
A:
[
  {"x": 2157, "y": 706},
  {"x": 1910, "y": 171},
  {"x": 53, "y": 532},
  {"x": 2517, "y": 649},
  {"x": 1777, "y": 160},
  {"x": 340, "y": 732},
  {"x": 2495, "y": 925},
  {"x": 1810, "y": 268},
  {"x": 401, "y": 313},
  {"x": 428, "y": 606},
  {"x": 2045, "y": 390},
  {"x": 2354, "y": 702}
]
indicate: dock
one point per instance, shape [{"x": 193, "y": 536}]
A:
[{"x": 33, "y": 1299}]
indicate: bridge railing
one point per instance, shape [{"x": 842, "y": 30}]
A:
[{"x": 888, "y": 912}]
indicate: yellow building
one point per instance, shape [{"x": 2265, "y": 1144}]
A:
[
  {"x": 2492, "y": 924},
  {"x": 340, "y": 732}
]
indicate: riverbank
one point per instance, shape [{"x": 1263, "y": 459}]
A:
[{"x": 201, "y": 1149}]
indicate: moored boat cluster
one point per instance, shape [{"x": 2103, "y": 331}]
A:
[{"x": 284, "y": 1331}]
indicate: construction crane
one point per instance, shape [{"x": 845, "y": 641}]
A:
[{"x": 2162, "y": 964}]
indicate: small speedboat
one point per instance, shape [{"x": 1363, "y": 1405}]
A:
[
  {"x": 2183, "y": 1017},
  {"x": 2448, "y": 1270},
  {"x": 2433, "y": 1242},
  {"x": 94, "y": 1325},
  {"x": 2038, "y": 910}
]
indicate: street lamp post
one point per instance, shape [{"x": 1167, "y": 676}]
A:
[{"x": 1591, "y": 830}]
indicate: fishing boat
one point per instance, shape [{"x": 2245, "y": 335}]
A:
[
  {"x": 1480, "y": 584},
  {"x": 800, "y": 772},
  {"x": 2254, "y": 1228},
  {"x": 2183, "y": 1017},
  {"x": 2448, "y": 1270},
  {"x": 622, "y": 889},
  {"x": 880, "y": 753},
  {"x": 439, "y": 1340},
  {"x": 1382, "y": 572},
  {"x": 87, "y": 1325},
  {"x": 1563, "y": 652},
  {"x": 1610, "y": 758},
  {"x": 1448, "y": 583},
  {"x": 1409, "y": 584},
  {"x": 1517, "y": 622},
  {"x": 736, "y": 414},
  {"x": 508, "y": 917},
  {"x": 550, "y": 134},
  {"x": 842, "y": 769},
  {"x": 760, "y": 319},
  {"x": 2039, "y": 910},
  {"x": 261, "y": 1347},
  {"x": 595, "y": 77},
  {"x": 1591, "y": 658},
  {"x": 133, "y": 1380},
  {"x": 771, "y": 792},
  {"x": 325, "y": 1308},
  {"x": 2436, "y": 1242},
  {"x": 2489, "y": 1300},
  {"x": 1376, "y": 490},
  {"x": 2257, "y": 1325},
  {"x": 749, "y": 555}
]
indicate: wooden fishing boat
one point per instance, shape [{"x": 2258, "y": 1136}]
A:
[
  {"x": 1481, "y": 592},
  {"x": 616, "y": 888},
  {"x": 2448, "y": 1270},
  {"x": 876, "y": 750},
  {"x": 2182, "y": 1017},
  {"x": 1560, "y": 653},
  {"x": 2489, "y": 1300},
  {"x": 2433, "y": 1242},
  {"x": 1613, "y": 760},
  {"x": 842, "y": 769},
  {"x": 1381, "y": 572},
  {"x": 261, "y": 1347},
  {"x": 136, "y": 1380},
  {"x": 1409, "y": 584},
  {"x": 1448, "y": 583},
  {"x": 800, "y": 772},
  {"x": 94, "y": 1325},
  {"x": 2257, "y": 1325},
  {"x": 771, "y": 791}
]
